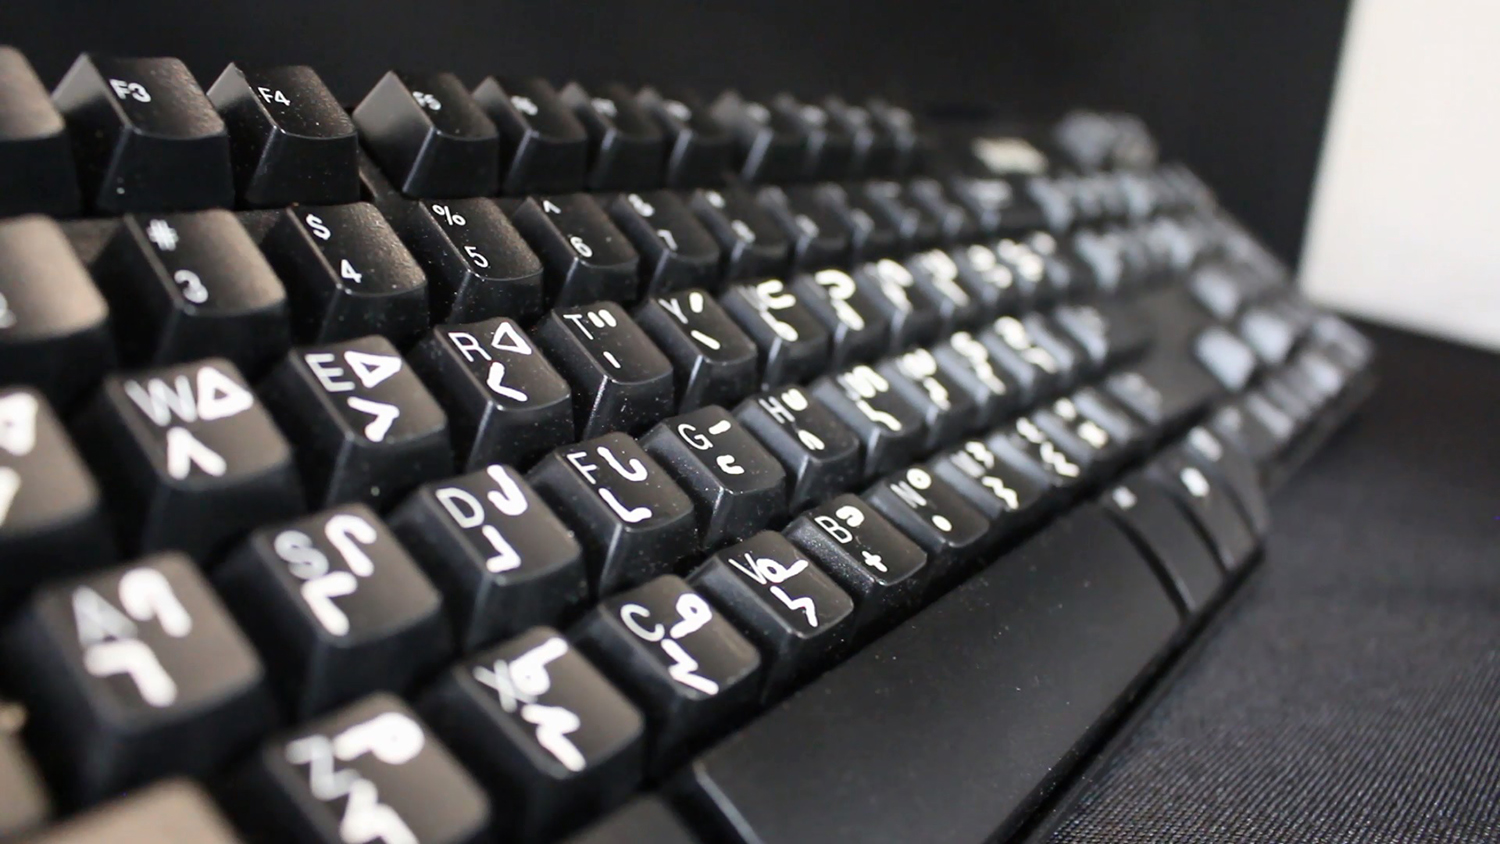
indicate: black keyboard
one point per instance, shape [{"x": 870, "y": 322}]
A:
[{"x": 504, "y": 461}]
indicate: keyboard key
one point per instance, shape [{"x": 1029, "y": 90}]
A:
[
  {"x": 752, "y": 245},
  {"x": 873, "y": 153},
  {"x": 501, "y": 557},
  {"x": 145, "y": 138},
  {"x": 914, "y": 228},
  {"x": 1023, "y": 438},
  {"x": 699, "y": 149},
  {"x": 872, "y": 235},
  {"x": 1163, "y": 389},
  {"x": 914, "y": 317},
  {"x": 291, "y": 140},
  {"x": 1107, "y": 331},
  {"x": 172, "y": 812},
  {"x": 365, "y": 427},
  {"x": 133, "y": 673},
  {"x": 687, "y": 667},
  {"x": 1010, "y": 490},
  {"x": 346, "y": 272},
  {"x": 54, "y": 324},
  {"x": 546, "y": 148},
  {"x": 188, "y": 457},
  {"x": 52, "y": 522},
  {"x": 967, "y": 364},
  {"x": 676, "y": 251},
  {"x": 946, "y": 410},
  {"x": 898, "y": 124},
  {"x": 184, "y": 286},
  {"x": 789, "y": 608},
  {"x": 1079, "y": 436},
  {"x": 883, "y": 571},
  {"x": 337, "y": 607},
  {"x": 1229, "y": 358},
  {"x": 505, "y": 402},
  {"x": 935, "y": 516},
  {"x": 713, "y": 362},
  {"x": 737, "y": 487},
  {"x": 643, "y": 819},
  {"x": 1212, "y": 454},
  {"x": 1029, "y": 361},
  {"x": 954, "y": 222},
  {"x": 36, "y": 159},
  {"x": 830, "y": 145},
  {"x": 1269, "y": 333},
  {"x": 1174, "y": 546},
  {"x": 370, "y": 771},
  {"x": 620, "y": 380},
  {"x": 793, "y": 344},
  {"x": 585, "y": 258},
  {"x": 936, "y": 274},
  {"x": 858, "y": 328},
  {"x": 1208, "y": 500},
  {"x": 770, "y": 143},
  {"x": 817, "y": 228},
  {"x": 537, "y": 723},
  {"x": 430, "y": 136},
  {"x": 626, "y": 146},
  {"x": 633, "y": 520},
  {"x": 889, "y": 427}
]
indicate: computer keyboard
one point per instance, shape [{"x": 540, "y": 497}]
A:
[{"x": 502, "y": 461}]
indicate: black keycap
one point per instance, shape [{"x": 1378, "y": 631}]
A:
[
  {"x": 913, "y": 315},
  {"x": 171, "y": 812},
  {"x": 505, "y": 402},
  {"x": 1032, "y": 366},
  {"x": 889, "y": 427},
  {"x": 1163, "y": 389},
  {"x": 927, "y": 509},
  {"x": 820, "y": 454},
  {"x": 1000, "y": 482},
  {"x": 477, "y": 264},
  {"x": 915, "y": 229},
  {"x": 52, "y": 522},
  {"x": 883, "y": 571},
  {"x": 1208, "y": 500},
  {"x": 584, "y": 256},
  {"x": 184, "y": 286},
  {"x": 955, "y": 224},
  {"x": 188, "y": 457},
  {"x": 872, "y": 236},
  {"x": 501, "y": 557},
  {"x": 687, "y": 667},
  {"x": 829, "y": 143},
  {"x": 291, "y": 140},
  {"x": 643, "y": 819},
  {"x": 544, "y": 149},
  {"x": 1023, "y": 437},
  {"x": 430, "y": 136},
  {"x": 793, "y": 344},
  {"x": 144, "y": 136},
  {"x": 752, "y": 245},
  {"x": 790, "y": 609},
  {"x": 365, "y": 427},
  {"x": 946, "y": 410},
  {"x": 337, "y": 606},
  {"x": 1108, "y": 331},
  {"x": 737, "y": 487},
  {"x": 699, "y": 150},
  {"x": 538, "y": 724},
  {"x": 899, "y": 125},
  {"x": 713, "y": 362},
  {"x": 26, "y": 803},
  {"x": 54, "y": 330},
  {"x": 1213, "y": 454},
  {"x": 770, "y": 144},
  {"x": 676, "y": 251},
  {"x": 936, "y": 276},
  {"x": 858, "y": 328},
  {"x": 816, "y": 227},
  {"x": 873, "y": 153},
  {"x": 967, "y": 364},
  {"x": 1083, "y": 618},
  {"x": 133, "y": 673},
  {"x": 1230, "y": 360},
  {"x": 626, "y": 146},
  {"x": 371, "y": 771},
  {"x": 633, "y": 520},
  {"x": 620, "y": 380},
  {"x": 1079, "y": 436},
  {"x": 345, "y": 270},
  {"x": 36, "y": 159},
  {"x": 1168, "y": 540}
]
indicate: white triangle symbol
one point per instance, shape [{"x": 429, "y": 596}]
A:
[
  {"x": 18, "y": 423},
  {"x": 372, "y": 369},
  {"x": 219, "y": 397},
  {"x": 184, "y": 450}
]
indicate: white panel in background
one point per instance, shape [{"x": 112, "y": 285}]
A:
[{"x": 1405, "y": 223}]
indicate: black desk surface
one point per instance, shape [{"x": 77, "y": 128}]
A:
[{"x": 1353, "y": 693}]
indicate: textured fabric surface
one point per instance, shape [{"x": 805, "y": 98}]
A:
[{"x": 1353, "y": 695}]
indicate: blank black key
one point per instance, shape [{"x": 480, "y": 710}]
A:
[
  {"x": 935, "y": 516},
  {"x": 678, "y": 658},
  {"x": 337, "y": 606},
  {"x": 585, "y": 257},
  {"x": 291, "y": 140},
  {"x": 788, "y": 607},
  {"x": 643, "y": 819},
  {"x": 52, "y": 521},
  {"x": 946, "y": 409},
  {"x": 913, "y": 314},
  {"x": 134, "y": 673},
  {"x": 1107, "y": 331},
  {"x": 430, "y": 136},
  {"x": 371, "y": 771},
  {"x": 620, "y": 380},
  {"x": 188, "y": 457},
  {"x": 829, "y": 143},
  {"x": 955, "y": 224},
  {"x": 872, "y": 235},
  {"x": 1168, "y": 539},
  {"x": 36, "y": 159},
  {"x": 676, "y": 251},
  {"x": 634, "y": 521},
  {"x": 365, "y": 427},
  {"x": 699, "y": 150},
  {"x": 818, "y": 228},
  {"x": 821, "y": 455},
  {"x": 26, "y": 803},
  {"x": 478, "y": 266},
  {"x": 1007, "y": 488},
  {"x": 1163, "y": 389},
  {"x": 889, "y": 427},
  {"x": 771, "y": 143},
  {"x": 626, "y": 146},
  {"x": 969, "y": 366},
  {"x": 883, "y": 571},
  {"x": 145, "y": 137},
  {"x": 737, "y": 487},
  {"x": 899, "y": 125},
  {"x": 184, "y": 286},
  {"x": 873, "y": 153},
  {"x": 713, "y": 362},
  {"x": 793, "y": 343},
  {"x": 544, "y": 147},
  {"x": 54, "y": 330},
  {"x": 858, "y": 328},
  {"x": 1084, "y": 617},
  {"x": 1208, "y": 500},
  {"x": 505, "y": 402},
  {"x": 1213, "y": 454},
  {"x": 538, "y": 724},
  {"x": 750, "y": 241},
  {"x": 172, "y": 812},
  {"x": 345, "y": 270}
]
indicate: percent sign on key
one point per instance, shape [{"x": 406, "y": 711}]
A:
[{"x": 447, "y": 213}]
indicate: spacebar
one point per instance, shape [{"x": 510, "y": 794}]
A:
[{"x": 951, "y": 726}]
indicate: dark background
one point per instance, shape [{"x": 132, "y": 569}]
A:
[{"x": 1238, "y": 90}]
